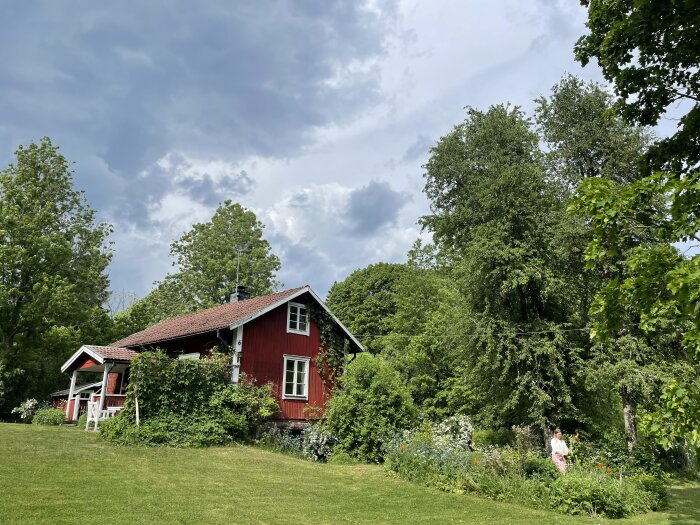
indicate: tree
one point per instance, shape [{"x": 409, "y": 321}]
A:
[
  {"x": 166, "y": 300},
  {"x": 211, "y": 258},
  {"x": 366, "y": 301},
  {"x": 587, "y": 140},
  {"x": 53, "y": 258},
  {"x": 371, "y": 407},
  {"x": 649, "y": 50},
  {"x": 504, "y": 227},
  {"x": 208, "y": 256}
]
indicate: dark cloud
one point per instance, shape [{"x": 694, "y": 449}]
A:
[
  {"x": 176, "y": 174},
  {"x": 129, "y": 81},
  {"x": 374, "y": 206},
  {"x": 210, "y": 191}
]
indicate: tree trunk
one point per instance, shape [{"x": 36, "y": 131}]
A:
[{"x": 629, "y": 409}]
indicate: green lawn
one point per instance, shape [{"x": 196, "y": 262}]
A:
[{"x": 64, "y": 475}]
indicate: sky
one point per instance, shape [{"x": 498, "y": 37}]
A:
[{"x": 316, "y": 114}]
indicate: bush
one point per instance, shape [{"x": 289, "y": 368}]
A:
[
  {"x": 172, "y": 430},
  {"x": 26, "y": 410},
  {"x": 49, "y": 416},
  {"x": 186, "y": 403},
  {"x": 285, "y": 441},
  {"x": 503, "y": 473},
  {"x": 539, "y": 467},
  {"x": 372, "y": 405},
  {"x": 597, "y": 492},
  {"x": 317, "y": 442},
  {"x": 483, "y": 438}
]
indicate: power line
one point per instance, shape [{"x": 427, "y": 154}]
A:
[{"x": 491, "y": 333}]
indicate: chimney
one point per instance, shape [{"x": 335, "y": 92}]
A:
[{"x": 241, "y": 294}]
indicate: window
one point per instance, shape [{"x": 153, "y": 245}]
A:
[
  {"x": 296, "y": 378},
  {"x": 297, "y": 319}
]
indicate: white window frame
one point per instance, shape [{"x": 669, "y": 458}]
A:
[
  {"x": 297, "y": 358},
  {"x": 290, "y": 330}
]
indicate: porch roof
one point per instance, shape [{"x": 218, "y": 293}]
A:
[
  {"x": 101, "y": 355},
  {"x": 78, "y": 388}
]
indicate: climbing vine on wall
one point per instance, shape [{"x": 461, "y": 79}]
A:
[{"x": 334, "y": 346}]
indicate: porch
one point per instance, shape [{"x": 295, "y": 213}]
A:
[{"x": 107, "y": 398}]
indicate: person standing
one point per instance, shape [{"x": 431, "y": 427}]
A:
[{"x": 559, "y": 451}]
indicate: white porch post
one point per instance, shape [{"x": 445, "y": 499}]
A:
[
  {"x": 103, "y": 393},
  {"x": 71, "y": 392}
]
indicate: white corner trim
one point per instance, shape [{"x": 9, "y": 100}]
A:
[{"x": 82, "y": 350}]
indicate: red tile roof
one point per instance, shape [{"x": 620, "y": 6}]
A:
[
  {"x": 113, "y": 353},
  {"x": 204, "y": 320}
]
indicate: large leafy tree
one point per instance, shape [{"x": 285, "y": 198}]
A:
[
  {"x": 367, "y": 300},
  {"x": 504, "y": 227},
  {"x": 650, "y": 51},
  {"x": 210, "y": 259},
  {"x": 586, "y": 140},
  {"x": 53, "y": 258}
]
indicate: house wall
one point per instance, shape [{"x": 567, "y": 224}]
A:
[{"x": 265, "y": 342}]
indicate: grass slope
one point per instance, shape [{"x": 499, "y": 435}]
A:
[{"x": 63, "y": 475}]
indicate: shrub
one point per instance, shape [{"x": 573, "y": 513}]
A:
[
  {"x": 49, "y": 416},
  {"x": 242, "y": 408},
  {"x": 372, "y": 405},
  {"x": 340, "y": 457},
  {"x": 317, "y": 442},
  {"x": 188, "y": 403},
  {"x": 593, "y": 492},
  {"x": 455, "y": 431},
  {"x": 285, "y": 441},
  {"x": 173, "y": 430},
  {"x": 82, "y": 420},
  {"x": 483, "y": 438},
  {"x": 502, "y": 473},
  {"x": 26, "y": 410},
  {"x": 539, "y": 467}
]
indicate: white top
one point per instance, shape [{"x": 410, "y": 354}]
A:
[{"x": 559, "y": 447}]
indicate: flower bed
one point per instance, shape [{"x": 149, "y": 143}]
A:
[{"x": 428, "y": 457}]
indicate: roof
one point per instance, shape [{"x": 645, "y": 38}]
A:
[
  {"x": 230, "y": 315},
  {"x": 101, "y": 354},
  {"x": 78, "y": 389},
  {"x": 216, "y": 318},
  {"x": 113, "y": 353}
]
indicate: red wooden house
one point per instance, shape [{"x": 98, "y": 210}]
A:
[{"x": 272, "y": 339}]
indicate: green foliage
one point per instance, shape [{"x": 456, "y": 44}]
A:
[
  {"x": 372, "y": 405},
  {"x": 173, "y": 430},
  {"x": 207, "y": 266},
  {"x": 492, "y": 437},
  {"x": 167, "y": 386},
  {"x": 495, "y": 212},
  {"x": 207, "y": 256},
  {"x": 528, "y": 479},
  {"x": 53, "y": 257},
  {"x": 600, "y": 493},
  {"x": 49, "y": 416},
  {"x": 242, "y": 408},
  {"x": 585, "y": 138},
  {"x": 188, "y": 403},
  {"x": 649, "y": 50},
  {"x": 367, "y": 300}
]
